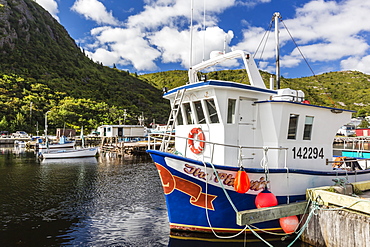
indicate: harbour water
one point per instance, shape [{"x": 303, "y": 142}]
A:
[{"x": 89, "y": 202}]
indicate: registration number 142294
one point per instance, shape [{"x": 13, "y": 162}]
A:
[{"x": 308, "y": 153}]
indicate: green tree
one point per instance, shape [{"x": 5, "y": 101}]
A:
[
  {"x": 4, "y": 125},
  {"x": 19, "y": 123},
  {"x": 364, "y": 124}
]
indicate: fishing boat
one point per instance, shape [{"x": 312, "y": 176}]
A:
[
  {"x": 70, "y": 153},
  {"x": 273, "y": 138},
  {"x": 64, "y": 154}
]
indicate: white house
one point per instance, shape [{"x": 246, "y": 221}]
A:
[{"x": 121, "y": 131}]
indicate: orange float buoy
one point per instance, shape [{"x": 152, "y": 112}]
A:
[
  {"x": 289, "y": 224},
  {"x": 265, "y": 199},
  {"x": 241, "y": 181}
]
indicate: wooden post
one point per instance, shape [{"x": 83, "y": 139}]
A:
[{"x": 252, "y": 216}]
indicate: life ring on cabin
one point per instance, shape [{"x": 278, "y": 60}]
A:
[{"x": 200, "y": 136}]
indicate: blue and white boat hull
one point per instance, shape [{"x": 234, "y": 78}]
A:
[{"x": 196, "y": 200}]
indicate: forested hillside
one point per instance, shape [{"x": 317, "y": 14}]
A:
[
  {"x": 42, "y": 69},
  {"x": 346, "y": 89}
]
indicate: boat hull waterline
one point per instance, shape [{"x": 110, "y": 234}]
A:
[
  {"x": 192, "y": 191},
  {"x": 63, "y": 154}
]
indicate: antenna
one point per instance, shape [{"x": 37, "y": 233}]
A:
[
  {"x": 204, "y": 28},
  {"x": 191, "y": 34},
  {"x": 277, "y": 16},
  {"x": 225, "y": 42}
]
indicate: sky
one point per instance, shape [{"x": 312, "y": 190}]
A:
[{"x": 147, "y": 36}]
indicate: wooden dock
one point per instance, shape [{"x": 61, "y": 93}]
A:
[
  {"x": 111, "y": 146},
  {"x": 124, "y": 148},
  {"x": 351, "y": 139},
  {"x": 336, "y": 216},
  {"x": 343, "y": 219},
  {"x": 12, "y": 140}
]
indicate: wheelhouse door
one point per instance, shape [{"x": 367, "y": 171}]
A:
[{"x": 246, "y": 127}]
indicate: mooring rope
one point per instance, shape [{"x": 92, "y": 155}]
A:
[
  {"x": 312, "y": 212},
  {"x": 233, "y": 206},
  {"x": 315, "y": 206}
]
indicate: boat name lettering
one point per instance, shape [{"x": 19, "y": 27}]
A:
[
  {"x": 307, "y": 152},
  {"x": 197, "y": 172},
  {"x": 227, "y": 178},
  {"x": 258, "y": 185}
]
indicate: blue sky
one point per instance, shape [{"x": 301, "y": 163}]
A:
[{"x": 147, "y": 36}]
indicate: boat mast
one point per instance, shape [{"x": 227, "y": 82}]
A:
[
  {"x": 276, "y": 17},
  {"x": 191, "y": 34}
]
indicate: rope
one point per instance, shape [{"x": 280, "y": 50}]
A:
[
  {"x": 231, "y": 203},
  {"x": 315, "y": 206},
  {"x": 264, "y": 163},
  {"x": 304, "y": 58},
  {"x": 233, "y": 206},
  {"x": 264, "y": 46}
]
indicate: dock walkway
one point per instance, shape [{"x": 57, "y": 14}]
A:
[{"x": 343, "y": 219}]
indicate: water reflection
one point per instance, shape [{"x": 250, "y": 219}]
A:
[
  {"x": 75, "y": 161},
  {"x": 87, "y": 202}
]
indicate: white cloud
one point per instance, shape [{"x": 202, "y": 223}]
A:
[
  {"x": 159, "y": 32},
  {"x": 51, "y": 6},
  {"x": 324, "y": 30},
  {"x": 94, "y": 10},
  {"x": 123, "y": 46},
  {"x": 356, "y": 63},
  {"x": 252, "y": 3},
  {"x": 175, "y": 44},
  {"x": 177, "y": 13}
]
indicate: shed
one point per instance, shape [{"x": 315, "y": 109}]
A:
[
  {"x": 121, "y": 131},
  {"x": 65, "y": 132}
]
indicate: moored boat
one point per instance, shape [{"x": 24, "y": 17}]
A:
[
  {"x": 62, "y": 144},
  {"x": 282, "y": 141},
  {"x": 74, "y": 153}
]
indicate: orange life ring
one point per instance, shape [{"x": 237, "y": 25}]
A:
[{"x": 200, "y": 136}]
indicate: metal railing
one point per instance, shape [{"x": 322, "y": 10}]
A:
[{"x": 155, "y": 141}]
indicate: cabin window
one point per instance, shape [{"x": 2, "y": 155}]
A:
[
  {"x": 231, "y": 105},
  {"x": 180, "y": 120},
  {"x": 187, "y": 110},
  {"x": 212, "y": 111},
  {"x": 200, "y": 113},
  {"x": 292, "y": 129},
  {"x": 308, "y": 128}
]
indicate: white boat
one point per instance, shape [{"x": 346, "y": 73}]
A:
[
  {"x": 62, "y": 144},
  {"x": 283, "y": 142},
  {"x": 74, "y": 153}
]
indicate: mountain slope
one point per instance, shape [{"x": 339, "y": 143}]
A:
[
  {"x": 345, "y": 89},
  {"x": 34, "y": 46}
]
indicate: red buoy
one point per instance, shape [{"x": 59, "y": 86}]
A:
[
  {"x": 289, "y": 224},
  {"x": 241, "y": 181},
  {"x": 265, "y": 199}
]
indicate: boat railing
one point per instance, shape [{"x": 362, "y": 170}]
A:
[
  {"x": 155, "y": 141},
  {"x": 349, "y": 162}
]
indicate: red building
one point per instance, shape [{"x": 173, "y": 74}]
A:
[{"x": 362, "y": 132}]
